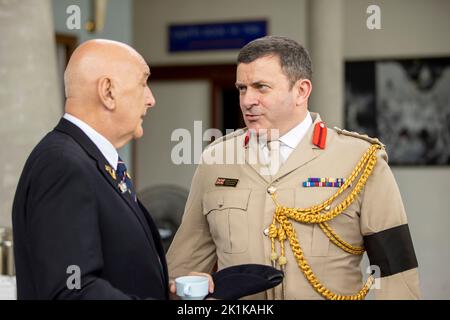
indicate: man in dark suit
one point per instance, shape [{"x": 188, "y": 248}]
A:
[{"x": 79, "y": 230}]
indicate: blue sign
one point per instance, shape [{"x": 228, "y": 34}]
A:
[{"x": 214, "y": 36}]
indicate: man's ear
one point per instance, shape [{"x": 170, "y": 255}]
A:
[
  {"x": 106, "y": 92},
  {"x": 303, "y": 88}
]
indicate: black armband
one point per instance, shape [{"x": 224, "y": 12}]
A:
[{"x": 391, "y": 250}]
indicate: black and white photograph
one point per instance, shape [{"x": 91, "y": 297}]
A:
[{"x": 405, "y": 103}]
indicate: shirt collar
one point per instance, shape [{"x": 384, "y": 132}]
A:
[
  {"x": 105, "y": 147},
  {"x": 293, "y": 137}
]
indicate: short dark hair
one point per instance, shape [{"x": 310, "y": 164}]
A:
[{"x": 294, "y": 58}]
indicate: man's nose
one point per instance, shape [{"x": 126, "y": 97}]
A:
[
  {"x": 149, "y": 98},
  {"x": 249, "y": 99}
]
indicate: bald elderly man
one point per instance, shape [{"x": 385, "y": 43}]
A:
[{"x": 79, "y": 230}]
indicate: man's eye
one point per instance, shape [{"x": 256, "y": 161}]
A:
[
  {"x": 262, "y": 87},
  {"x": 242, "y": 89}
]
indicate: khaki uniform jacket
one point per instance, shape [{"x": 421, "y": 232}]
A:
[{"x": 226, "y": 224}]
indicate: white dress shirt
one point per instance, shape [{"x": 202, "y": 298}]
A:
[
  {"x": 290, "y": 140},
  {"x": 105, "y": 147}
]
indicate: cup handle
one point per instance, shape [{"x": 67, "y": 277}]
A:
[{"x": 187, "y": 290}]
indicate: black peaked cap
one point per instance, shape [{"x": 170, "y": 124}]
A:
[{"x": 243, "y": 280}]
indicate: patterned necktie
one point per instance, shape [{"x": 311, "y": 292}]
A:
[
  {"x": 125, "y": 183},
  {"x": 126, "y": 186}
]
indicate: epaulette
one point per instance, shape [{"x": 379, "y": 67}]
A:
[
  {"x": 228, "y": 136},
  {"x": 359, "y": 136}
]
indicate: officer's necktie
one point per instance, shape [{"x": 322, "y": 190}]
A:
[
  {"x": 125, "y": 183},
  {"x": 275, "y": 157}
]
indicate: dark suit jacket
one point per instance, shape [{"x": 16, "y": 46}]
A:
[{"x": 68, "y": 211}]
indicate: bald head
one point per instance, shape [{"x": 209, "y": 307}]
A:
[
  {"x": 106, "y": 87},
  {"x": 94, "y": 59}
]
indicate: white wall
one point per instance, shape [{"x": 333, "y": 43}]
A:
[
  {"x": 410, "y": 28},
  {"x": 152, "y": 18},
  {"x": 425, "y": 194},
  {"x": 178, "y": 105}
]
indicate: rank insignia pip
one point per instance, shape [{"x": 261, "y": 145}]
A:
[{"x": 226, "y": 182}]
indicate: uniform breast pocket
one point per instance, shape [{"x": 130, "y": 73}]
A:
[
  {"x": 313, "y": 241},
  {"x": 226, "y": 212},
  {"x": 345, "y": 225}
]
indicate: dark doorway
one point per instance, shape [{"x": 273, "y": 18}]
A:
[{"x": 229, "y": 107}]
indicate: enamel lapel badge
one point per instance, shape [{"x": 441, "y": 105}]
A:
[
  {"x": 123, "y": 187},
  {"x": 111, "y": 171}
]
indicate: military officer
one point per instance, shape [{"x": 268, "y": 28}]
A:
[{"x": 329, "y": 198}]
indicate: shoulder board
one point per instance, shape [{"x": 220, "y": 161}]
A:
[
  {"x": 359, "y": 136},
  {"x": 228, "y": 136}
]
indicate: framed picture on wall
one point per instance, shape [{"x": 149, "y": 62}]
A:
[{"x": 403, "y": 102}]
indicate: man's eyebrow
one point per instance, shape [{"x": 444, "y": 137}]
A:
[
  {"x": 259, "y": 82},
  {"x": 253, "y": 84}
]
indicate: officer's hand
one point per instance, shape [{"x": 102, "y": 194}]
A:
[{"x": 173, "y": 291}]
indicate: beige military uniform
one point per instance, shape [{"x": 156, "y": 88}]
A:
[{"x": 229, "y": 225}]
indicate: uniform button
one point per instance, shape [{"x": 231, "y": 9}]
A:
[
  {"x": 266, "y": 232},
  {"x": 271, "y": 190}
]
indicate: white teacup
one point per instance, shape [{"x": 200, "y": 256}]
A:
[{"x": 192, "y": 287}]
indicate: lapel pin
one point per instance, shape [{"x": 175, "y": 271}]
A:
[{"x": 111, "y": 171}]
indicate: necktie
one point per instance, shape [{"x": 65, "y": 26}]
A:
[
  {"x": 125, "y": 183},
  {"x": 275, "y": 157},
  {"x": 126, "y": 186}
]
